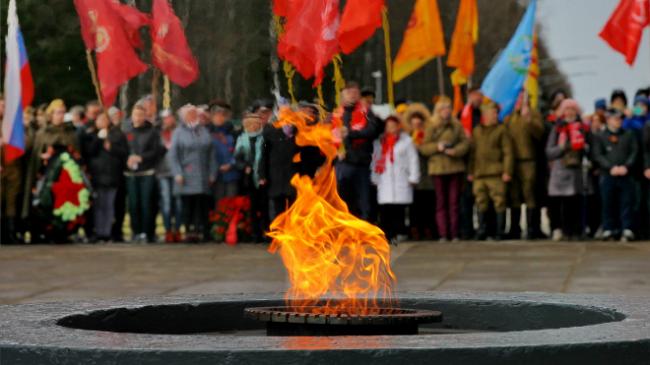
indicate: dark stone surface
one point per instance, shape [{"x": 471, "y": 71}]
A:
[{"x": 531, "y": 328}]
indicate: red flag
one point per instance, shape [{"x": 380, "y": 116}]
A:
[
  {"x": 133, "y": 21},
  {"x": 624, "y": 30},
  {"x": 103, "y": 30},
  {"x": 170, "y": 51},
  {"x": 309, "y": 41},
  {"x": 281, "y": 7},
  {"x": 359, "y": 21},
  {"x": 467, "y": 120}
]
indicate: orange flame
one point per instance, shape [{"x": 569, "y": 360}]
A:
[{"x": 326, "y": 250}]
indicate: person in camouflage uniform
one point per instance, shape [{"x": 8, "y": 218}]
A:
[
  {"x": 526, "y": 129},
  {"x": 491, "y": 167}
]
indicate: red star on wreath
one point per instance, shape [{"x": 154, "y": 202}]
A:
[{"x": 65, "y": 190}]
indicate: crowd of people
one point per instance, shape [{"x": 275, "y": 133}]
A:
[{"x": 420, "y": 173}]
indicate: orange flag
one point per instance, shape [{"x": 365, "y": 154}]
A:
[
  {"x": 461, "y": 52},
  {"x": 423, "y": 40},
  {"x": 458, "y": 79}
]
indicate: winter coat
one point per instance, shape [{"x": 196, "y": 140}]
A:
[
  {"x": 565, "y": 179},
  {"x": 164, "y": 170},
  {"x": 492, "y": 154},
  {"x": 61, "y": 137},
  {"x": 636, "y": 123},
  {"x": 395, "y": 184},
  {"x": 106, "y": 166},
  {"x": 451, "y": 134},
  {"x": 526, "y": 135},
  {"x": 276, "y": 163},
  {"x": 618, "y": 148},
  {"x": 359, "y": 143},
  {"x": 248, "y": 153},
  {"x": 646, "y": 146},
  {"x": 192, "y": 157},
  {"x": 223, "y": 142},
  {"x": 145, "y": 142}
]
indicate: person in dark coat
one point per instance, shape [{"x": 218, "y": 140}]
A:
[
  {"x": 106, "y": 150},
  {"x": 615, "y": 152},
  {"x": 145, "y": 152},
  {"x": 223, "y": 138},
  {"x": 194, "y": 166},
  {"x": 248, "y": 153},
  {"x": 276, "y": 167},
  {"x": 358, "y": 128},
  {"x": 311, "y": 159},
  {"x": 645, "y": 151}
]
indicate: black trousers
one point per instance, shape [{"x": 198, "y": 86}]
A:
[
  {"x": 259, "y": 213},
  {"x": 392, "y": 219},
  {"x": 195, "y": 211},
  {"x": 278, "y": 204},
  {"x": 422, "y": 213},
  {"x": 466, "y": 210},
  {"x": 567, "y": 214},
  {"x": 120, "y": 212}
]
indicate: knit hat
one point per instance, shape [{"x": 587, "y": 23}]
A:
[
  {"x": 569, "y": 104},
  {"x": 600, "y": 104},
  {"x": 166, "y": 113},
  {"x": 642, "y": 99}
]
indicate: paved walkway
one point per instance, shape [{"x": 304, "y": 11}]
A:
[{"x": 47, "y": 273}]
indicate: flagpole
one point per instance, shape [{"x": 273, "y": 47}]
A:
[
  {"x": 441, "y": 80},
  {"x": 93, "y": 75},
  {"x": 167, "y": 94},
  {"x": 389, "y": 59},
  {"x": 154, "y": 88}
]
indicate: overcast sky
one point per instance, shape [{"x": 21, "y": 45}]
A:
[{"x": 571, "y": 29}]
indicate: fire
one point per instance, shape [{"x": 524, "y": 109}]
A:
[{"x": 328, "y": 252}]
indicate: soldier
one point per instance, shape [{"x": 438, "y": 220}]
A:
[
  {"x": 491, "y": 167},
  {"x": 526, "y": 129}
]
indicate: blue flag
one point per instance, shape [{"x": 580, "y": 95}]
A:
[{"x": 506, "y": 79}]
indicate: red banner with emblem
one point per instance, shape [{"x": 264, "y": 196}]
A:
[{"x": 103, "y": 31}]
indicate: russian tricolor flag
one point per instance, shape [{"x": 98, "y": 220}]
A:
[{"x": 19, "y": 88}]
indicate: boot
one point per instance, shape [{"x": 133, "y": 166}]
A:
[
  {"x": 530, "y": 225},
  {"x": 501, "y": 226},
  {"x": 515, "y": 228},
  {"x": 481, "y": 234},
  {"x": 11, "y": 231},
  {"x": 535, "y": 224}
]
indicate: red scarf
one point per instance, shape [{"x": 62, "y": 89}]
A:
[
  {"x": 417, "y": 136},
  {"x": 387, "y": 146},
  {"x": 167, "y": 137},
  {"x": 358, "y": 122},
  {"x": 573, "y": 132},
  {"x": 467, "y": 119}
]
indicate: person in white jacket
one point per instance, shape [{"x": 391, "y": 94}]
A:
[{"x": 395, "y": 171}]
